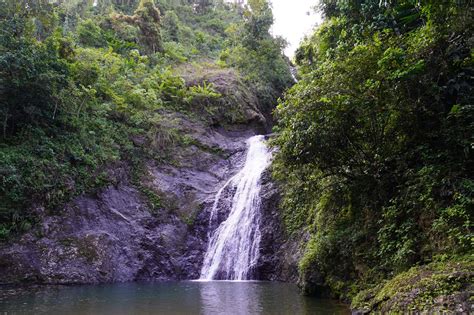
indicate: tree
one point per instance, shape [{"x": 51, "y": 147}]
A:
[
  {"x": 374, "y": 157},
  {"x": 171, "y": 26},
  {"x": 259, "y": 20},
  {"x": 31, "y": 74},
  {"x": 202, "y": 6},
  {"x": 147, "y": 19},
  {"x": 259, "y": 55}
]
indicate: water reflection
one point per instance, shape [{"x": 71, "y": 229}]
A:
[
  {"x": 222, "y": 297},
  {"x": 205, "y": 298}
]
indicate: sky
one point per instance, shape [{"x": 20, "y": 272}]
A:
[{"x": 293, "y": 20}]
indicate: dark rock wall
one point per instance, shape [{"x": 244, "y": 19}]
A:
[
  {"x": 114, "y": 236},
  {"x": 280, "y": 253},
  {"x": 104, "y": 238}
]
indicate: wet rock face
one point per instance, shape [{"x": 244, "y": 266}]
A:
[
  {"x": 279, "y": 254},
  {"x": 106, "y": 238},
  {"x": 113, "y": 236}
]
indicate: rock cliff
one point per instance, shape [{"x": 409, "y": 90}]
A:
[{"x": 156, "y": 229}]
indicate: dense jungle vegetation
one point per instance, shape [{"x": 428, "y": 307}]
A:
[
  {"x": 85, "y": 85},
  {"x": 376, "y": 143}
]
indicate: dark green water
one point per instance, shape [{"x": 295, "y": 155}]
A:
[{"x": 165, "y": 298}]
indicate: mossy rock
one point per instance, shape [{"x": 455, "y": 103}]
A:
[
  {"x": 237, "y": 104},
  {"x": 445, "y": 287}
]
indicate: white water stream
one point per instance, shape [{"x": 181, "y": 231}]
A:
[{"x": 233, "y": 249}]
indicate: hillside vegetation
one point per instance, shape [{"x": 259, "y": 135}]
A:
[
  {"x": 376, "y": 149},
  {"x": 373, "y": 145},
  {"x": 84, "y": 88}
]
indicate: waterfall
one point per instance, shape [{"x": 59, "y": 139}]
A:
[{"x": 233, "y": 249}]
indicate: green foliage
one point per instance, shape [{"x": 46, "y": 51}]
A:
[
  {"x": 31, "y": 77},
  {"x": 85, "y": 90},
  {"x": 196, "y": 35},
  {"x": 419, "y": 288},
  {"x": 171, "y": 26},
  {"x": 375, "y": 158},
  {"x": 89, "y": 34},
  {"x": 49, "y": 171},
  {"x": 258, "y": 55},
  {"x": 147, "y": 17}
]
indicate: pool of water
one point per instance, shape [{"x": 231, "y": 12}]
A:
[{"x": 215, "y": 297}]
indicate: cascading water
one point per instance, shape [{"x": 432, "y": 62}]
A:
[{"x": 233, "y": 249}]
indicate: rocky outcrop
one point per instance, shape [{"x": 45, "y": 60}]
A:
[
  {"x": 279, "y": 254},
  {"x": 104, "y": 238},
  {"x": 156, "y": 227},
  {"x": 444, "y": 287},
  {"x": 118, "y": 235},
  {"x": 233, "y": 89}
]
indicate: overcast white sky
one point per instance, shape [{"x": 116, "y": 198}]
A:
[{"x": 293, "y": 20}]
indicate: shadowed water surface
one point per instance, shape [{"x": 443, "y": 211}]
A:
[{"x": 216, "y": 297}]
